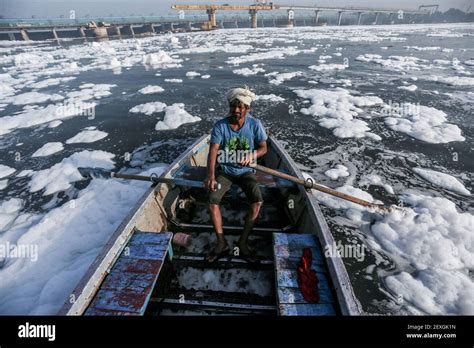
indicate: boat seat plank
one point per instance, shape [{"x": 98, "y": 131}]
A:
[
  {"x": 287, "y": 250},
  {"x": 307, "y": 309},
  {"x": 199, "y": 174},
  {"x": 127, "y": 288}
]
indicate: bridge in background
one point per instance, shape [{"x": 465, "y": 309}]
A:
[{"x": 275, "y": 16}]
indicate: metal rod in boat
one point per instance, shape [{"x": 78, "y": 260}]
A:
[
  {"x": 154, "y": 178},
  {"x": 309, "y": 183}
]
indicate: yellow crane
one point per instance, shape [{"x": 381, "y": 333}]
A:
[{"x": 211, "y": 11}]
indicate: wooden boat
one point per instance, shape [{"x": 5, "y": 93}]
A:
[{"x": 140, "y": 272}]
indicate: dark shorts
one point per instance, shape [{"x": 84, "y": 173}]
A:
[{"x": 247, "y": 182}]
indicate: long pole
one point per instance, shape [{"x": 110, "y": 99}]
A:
[{"x": 310, "y": 184}]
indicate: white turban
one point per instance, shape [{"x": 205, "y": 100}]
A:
[{"x": 242, "y": 94}]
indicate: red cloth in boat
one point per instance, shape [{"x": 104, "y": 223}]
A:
[{"x": 307, "y": 279}]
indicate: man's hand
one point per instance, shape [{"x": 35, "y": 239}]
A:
[
  {"x": 247, "y": 160},
  {"x": 210, "y": 183}
]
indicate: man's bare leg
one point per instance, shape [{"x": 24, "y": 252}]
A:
[
  {"x": 216, "y": 218},
  {"x": 249, "y": 222}
]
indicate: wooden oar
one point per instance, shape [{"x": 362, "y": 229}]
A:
[
  {"x": 98, "y": 172},
  {"x": 308, "y": 183}
]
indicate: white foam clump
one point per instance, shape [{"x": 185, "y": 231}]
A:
[
  {"x": 437, "y": 240},
  {"x": 32, "y": 98},
  {"x": 279, "y": 78},
  {"x": 48, "y": 149},
  {"x": 192, "y": 74},
  {"x": 174, "y": 80},
  {"x": 25, "y": 172},
  {"x": 452, "y": 80},
  {"x": 400, "y": 63},
  {"x": 175, "y": 116},
  {"x": 337, "y": 172},
  {"x": 443, "y": 180},
  {"x": 50, "y": 82},
  {"x": 410, "y": 88},
  {"x": 9, "y": 211},
  {"x": 80, "y": 230},
  {"x": 148, "y": 108},
  {"x": 248, "y": 72},
  {"x": 426, "y": 48},
  {"x": 55, "y": 124},
  {"x": 87, "y": 136},
  {"x": 151, "y": 89},
  {"x": 273, "y": 54},
  {"x": 3, "y": 184},
  {"x": 374, "y": 179},
  {"x": 160, "y": 60},
  {"x": 270, "y": 97},
  {"x": 6, "y": 171},
  {"x": 335, "y": 109},
  {"x": 469, "y": 62},
  {"x": 60, "y": 176},
  {"x": 205, "y": 77},
  {"x": 328, "y": 67},
  {"x": 423, "y": 123}
]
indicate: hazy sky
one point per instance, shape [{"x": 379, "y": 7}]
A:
[{"x": 55, "y": 8}]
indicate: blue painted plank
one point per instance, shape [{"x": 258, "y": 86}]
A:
[
  {"x": 119, "y": 301},
  {"x": 127, "y": 264},
  {"x": 307, "y": 309},
  {"x": 301, "y": 240},
  {"x": 285, "y": 251},
  {"x": 140, "y": 238},
  {"x": 129, "y": 281},
  {"x": 145, "y": 252},
  {"x": 128, "y": 287},
  {"x": 288, "y": 279},
  {"x": 293, "y": 263},
  {"x": 294, "y": 295}
]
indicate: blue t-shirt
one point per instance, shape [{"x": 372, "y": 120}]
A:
[{"x": 231, "y": 142}]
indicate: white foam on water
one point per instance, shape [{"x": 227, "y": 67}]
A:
[
  {"x": 248, "y": 72},
  {"x": 437, "y": 240},
  {"x": 376, "y": 180},
  {"x": 443, "y": 180},
  {"x": 51, "y": 82},
  {"x": 32, "y": 98},
  {"x": 451, "y": 80},
  {"x": 192, "y": 74},
  {"x": 279, "y": 78},
  {"x": 423, "y": 123},
  {"x": 60, "y": 176},
  {"x": 328, "y": 67},
  {"x": 410, "y": 88},
  {"x": 270, "y": 97},
  {"x": 339, "y": 171},
  {"x": 206, "y": 77},
  {"x": 335, "y": 109},
  {"x": 174, "y": 80},
  {"x": 87, "y": 136},
  {"x": 6, "y": 171},
  {"x": 148, "y": 108},
  {"x": 81, "y": 229},
  {"x": 48, "y": 149},
  {"x": 9, "y": 211},
  {"x": 151, "y": 89},
  {"x": 3, "y": 184},
  {"x": 175, "y": 116}
]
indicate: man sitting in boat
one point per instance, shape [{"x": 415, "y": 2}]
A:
[{"x": 236, "y": 142}]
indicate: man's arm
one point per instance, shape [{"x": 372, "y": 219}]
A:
[
  {"x": 210, "y": 181},
  {"x": 261, "y": 150}
]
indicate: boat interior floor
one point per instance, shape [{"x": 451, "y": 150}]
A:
[{"x": 189, "y": 285}]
